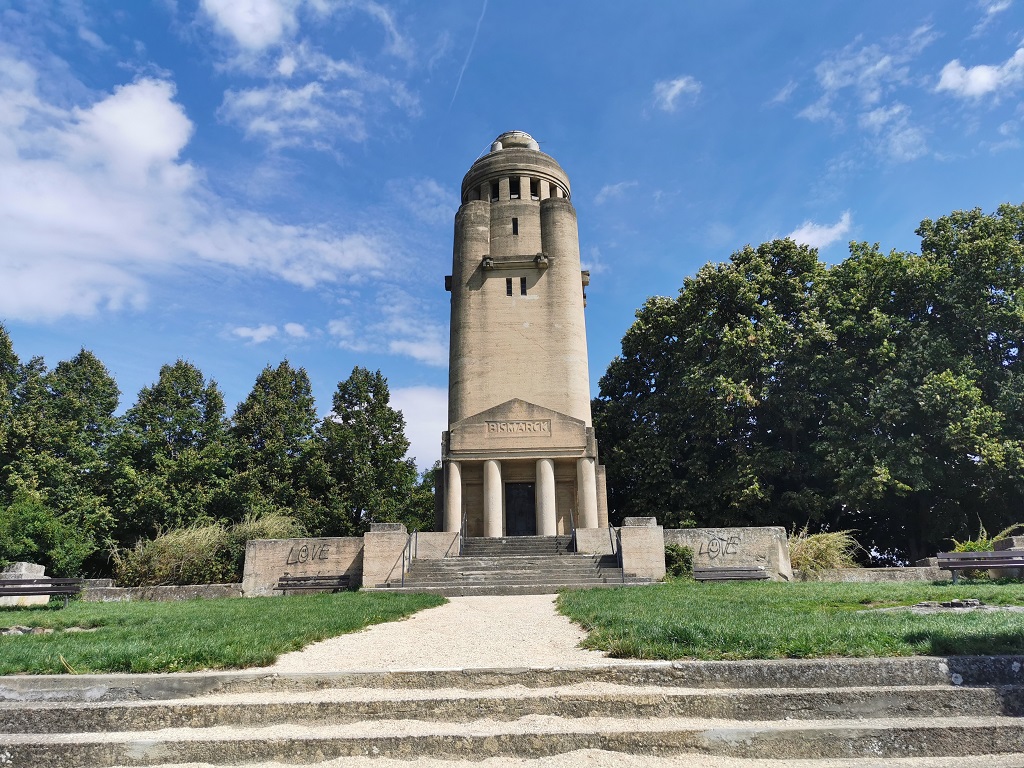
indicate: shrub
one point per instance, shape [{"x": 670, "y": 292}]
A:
[
  {"x": 984, "y": 543},
  {"x": 823, "y": 550},
  {"x": 198, "y": 554},
  {"x": 31, "y": 532},
  {"x": 678, "y": 561}
]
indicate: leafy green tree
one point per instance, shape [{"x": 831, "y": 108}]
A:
[
  {"x": 170, "y": 460},
  {"x": 271, "y": 429},
  {"x": 53, "y": 453},
  {"x": 708, "y": 413},
  {"x": 357, "y": 472}
]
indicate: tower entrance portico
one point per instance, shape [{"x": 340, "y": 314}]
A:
[{"x": 520, "y": 457}]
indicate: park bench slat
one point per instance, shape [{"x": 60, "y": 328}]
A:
[
  {"x": 731, "y": 574},
  {"x": 287, "y": 583},
  {"x": 40, "y": 586},
  {"x": 977, "y": 561}
]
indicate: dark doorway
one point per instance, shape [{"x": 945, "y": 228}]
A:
[{"x": 520, "y": 510}]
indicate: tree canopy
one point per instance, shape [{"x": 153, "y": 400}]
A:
[{"x": 882, "y": 393}]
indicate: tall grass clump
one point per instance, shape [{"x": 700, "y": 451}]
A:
[
  {"x": 822, "y": 551},
  {"x": 984, "y": 542},
  {"x": 198, "y": 554}
]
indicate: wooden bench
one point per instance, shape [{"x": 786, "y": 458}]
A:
[
  {"x": 41, "y": 586},
  {"x": 979, "y": 561},
  {"x": 313, "y": 583},
  {"x": 754, "y": 573}
]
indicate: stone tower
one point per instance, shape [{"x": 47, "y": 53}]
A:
[{"x": 519, "y": 456}]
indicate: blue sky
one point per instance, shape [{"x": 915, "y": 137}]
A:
[{"x": 234, "y": 182}]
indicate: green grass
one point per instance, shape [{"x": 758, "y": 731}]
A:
[
  {"x": 770, "y": 620},
  {"x": 184, "y": 636}
]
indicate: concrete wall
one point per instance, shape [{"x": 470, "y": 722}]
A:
[
  {"x": 596, "y": 541},
  {"x": 266, "y": 560},
  {"x": 642, "y": 542},
  {"x": 767, "y": 547},
  {"x": 435, "y": 546},
  {"x": 16, "y": 571},
  {"x": 875, "y": 575},
  {"x": 383, "y": 549},
  {"x": 106, "y": 594}
]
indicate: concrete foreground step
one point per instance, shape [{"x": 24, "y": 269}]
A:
[
  {"x": 595, "y": 758},
  {"x": 529, "y": 737},
  {"x": 951, "y": 672},
  {"x": 348, "y": 705}
]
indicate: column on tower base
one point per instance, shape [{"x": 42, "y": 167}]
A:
[
  {"x": 493, "y": 526},
  {"x": 453, "y": 497},
  {"x": 547, "y": 523},
  {"x": 586, "y": 482}
]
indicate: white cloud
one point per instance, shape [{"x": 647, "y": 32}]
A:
[
  {"x": 990, "y": 10},
  {"x": 593, "y": 261},
  {"x": 983, "y": 79},
  {"x": 425, "y": 199},
  {"x": 285, "y": 116},
  {"x": 296, "y": 330},
  {"x": 784, "y": 93},
  {"x": 256, "y": 335},
  {"x": 898, "y": 137},
  {"x": 426, "y": 417},
  {"x": 253, "y": 24},
  {"x": 400, "y": 326},
  {"x": 613, "y": 191},
  {"x": 667, "y": 93},
  {"x": 868, "y": 72},
  {"x": 821, "y": 235},
  {"x": 96, "y": 201}
]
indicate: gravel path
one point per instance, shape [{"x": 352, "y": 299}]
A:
[{"x": 466, "y": 633}]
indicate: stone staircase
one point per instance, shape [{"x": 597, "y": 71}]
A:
[
  {"x": 856, "y": 712},
  {"x": 515, "y": 565}
]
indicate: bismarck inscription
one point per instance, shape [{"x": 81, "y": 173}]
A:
[{"x": 520, "y": 428}]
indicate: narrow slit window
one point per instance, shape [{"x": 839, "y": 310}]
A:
[
  {"x": 494, "y": 191},
  {"x": 522, "y": 286},
  {"x": 535, "y": 189},
  {"x": 515, "y": 226},
  {"x": 513, "y": 188},
  {"x": 508, "y": 286}
]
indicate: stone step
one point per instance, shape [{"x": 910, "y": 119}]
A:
[
  {"x": 470, "y": 589},
  {"x": 952, "y": 673},
  {"x": 526, "y": 738},
  {"x": 459, "y": 705}
]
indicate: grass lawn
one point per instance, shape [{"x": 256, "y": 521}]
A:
[
  {"x": 771, "y": 620},
  {"x": 191, "y": 635}
]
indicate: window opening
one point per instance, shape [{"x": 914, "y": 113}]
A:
[
  {"x": 522, "y": 286},
  {"x": 535, "y": 189},
  {"x": 508, "y": 286},
  {"x": 494, "y": 191},
  {"x": 515, "y": 226},
  {"x": 513, "y": 188}
]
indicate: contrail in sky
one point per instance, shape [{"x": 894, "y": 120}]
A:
[{"x": 472, "y": 45}]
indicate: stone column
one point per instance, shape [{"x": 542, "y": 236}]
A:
[
  {"x": 586, "y": 484},
  {"x": 453, "y": 497},
  {"x": 546, "y": 522},
  {"x": 492, "y": 499}
]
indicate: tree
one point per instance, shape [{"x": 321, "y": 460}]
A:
[
  {"x": 358, "y": 473},
  {"x": 271, "y": 429},
  {"x": 53, "y": 463},
  {"x": 707, "y": 414},
  {"x": 170, "y": 461}
]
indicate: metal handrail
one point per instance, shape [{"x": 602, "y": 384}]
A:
[
  {"x": 617, "y": 551},
  {"x": 462, "y": 531},
  {"x": 407, "y": 552}
]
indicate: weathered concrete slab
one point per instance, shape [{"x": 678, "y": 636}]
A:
[
  {"x": 267, "y": 560},
  {"x": 767, "y": 547}
]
